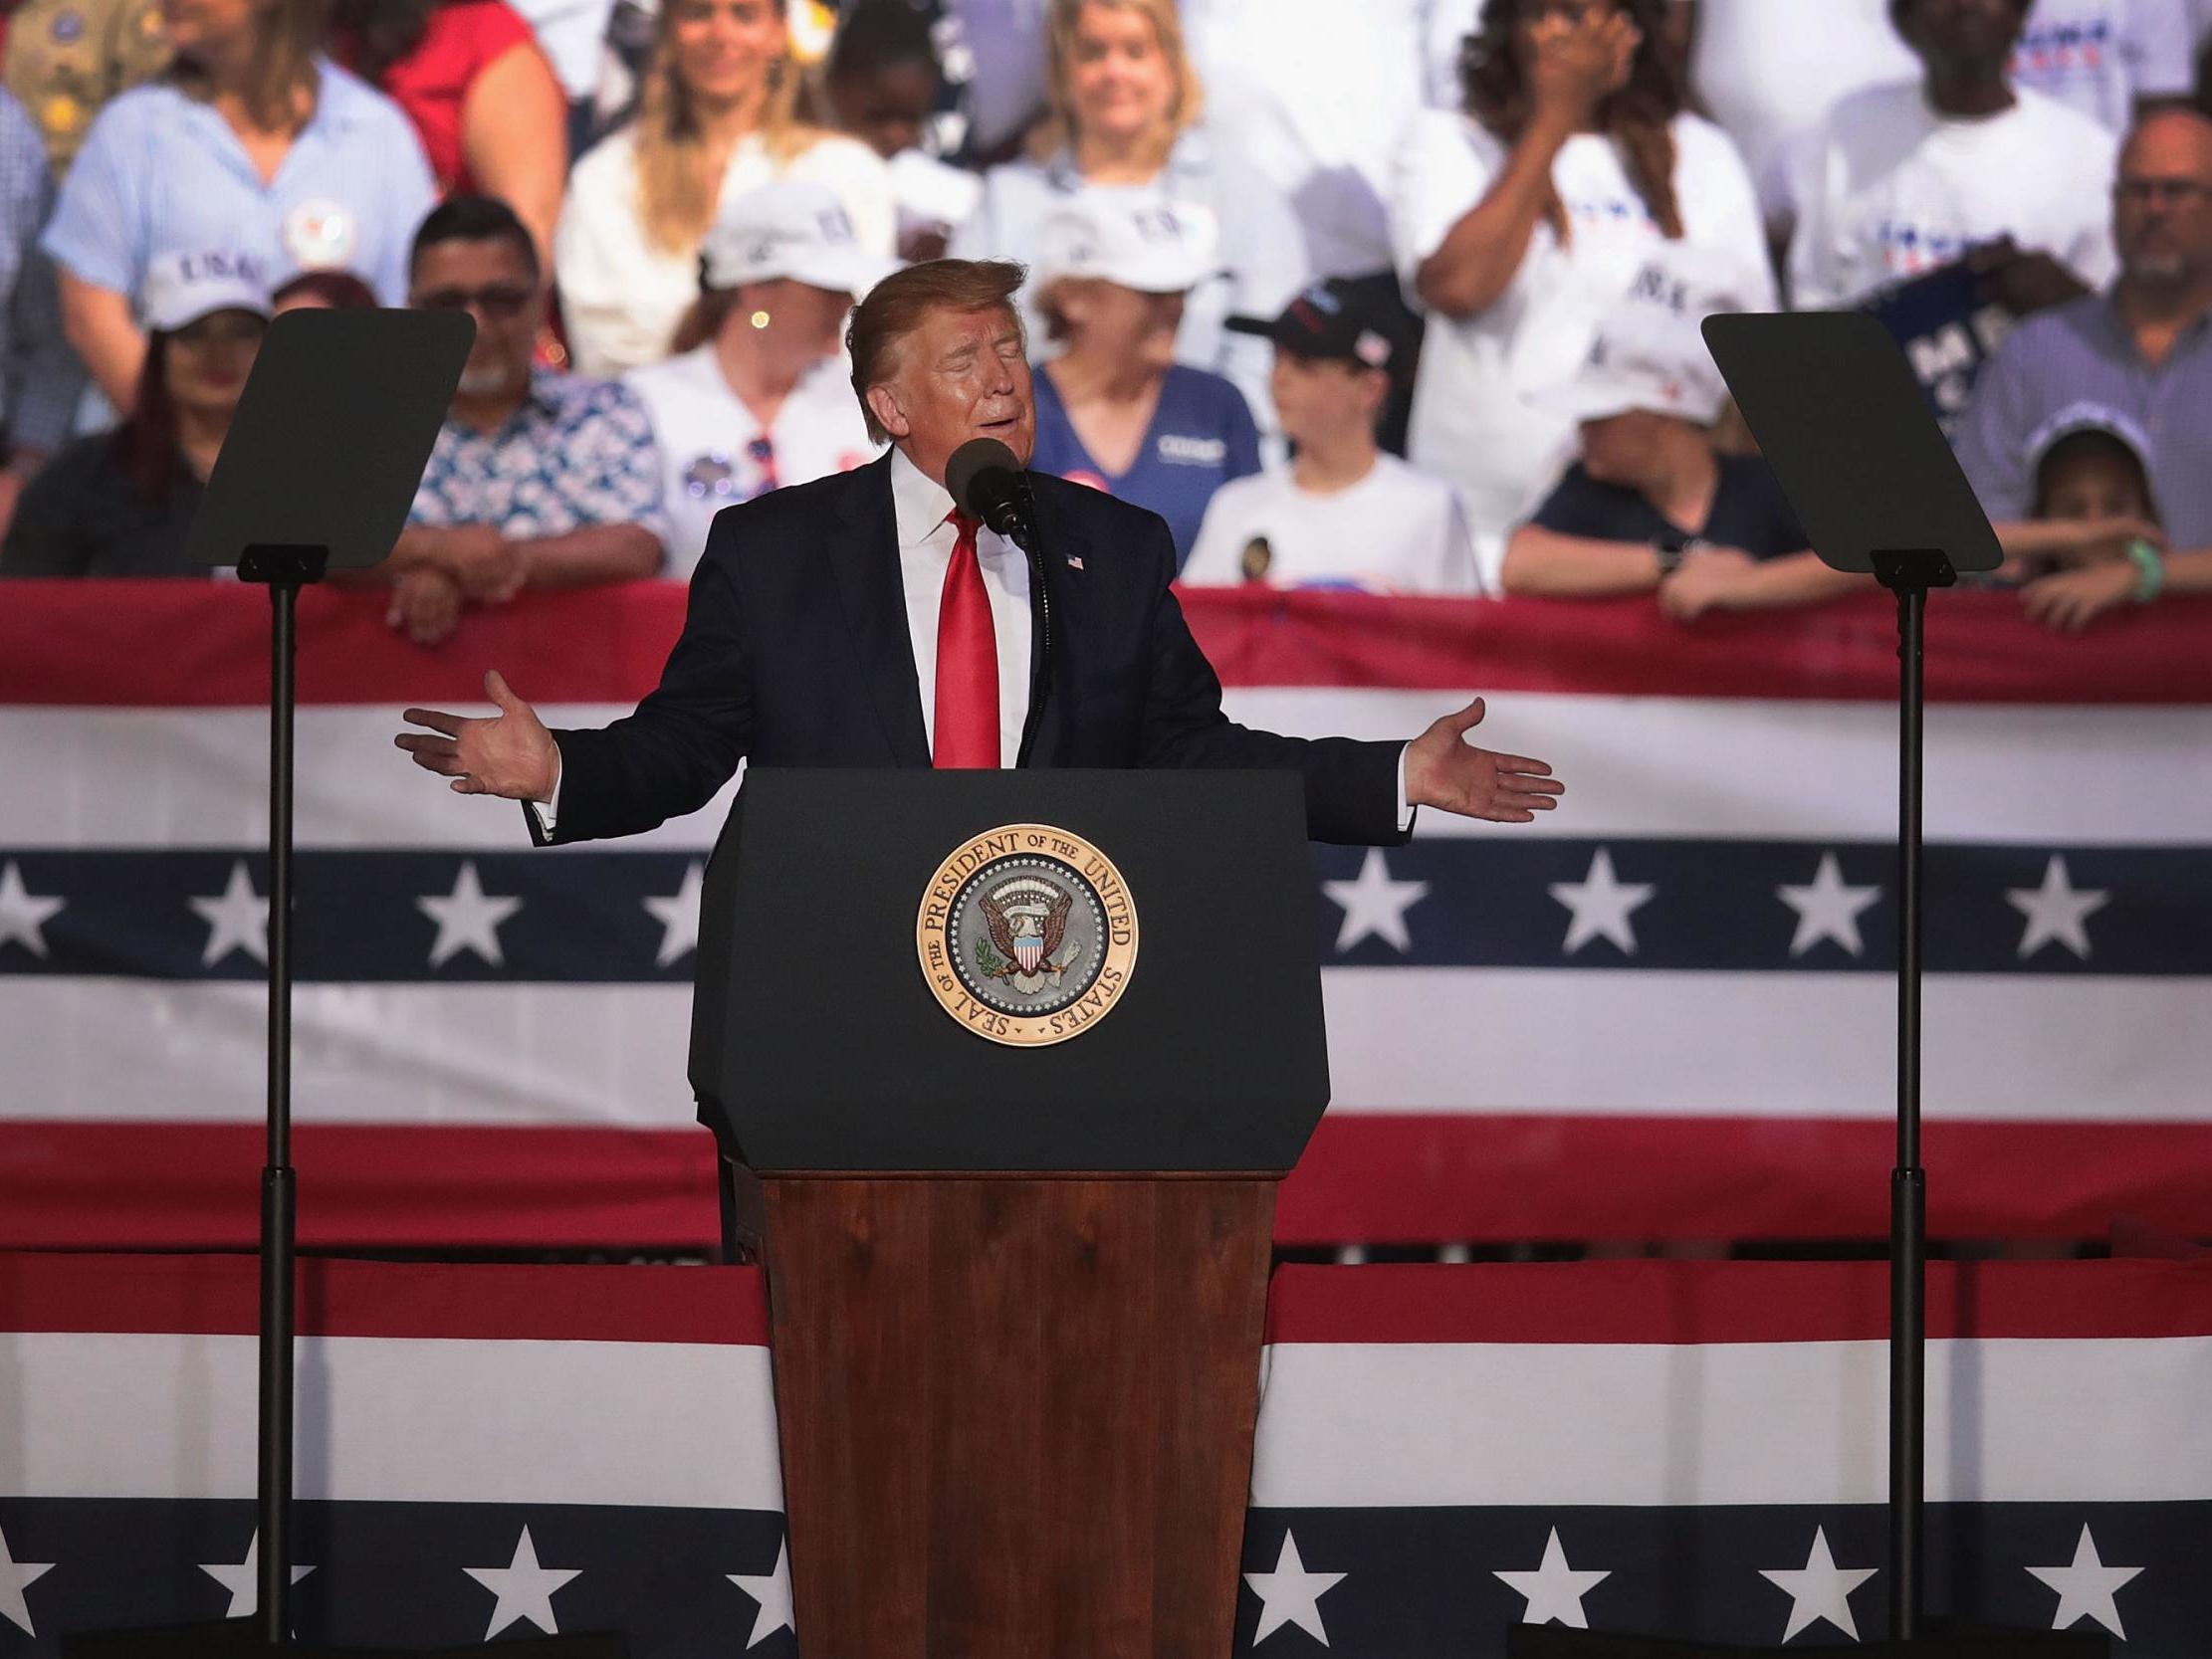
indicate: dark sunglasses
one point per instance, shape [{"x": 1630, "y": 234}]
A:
[
  {"x": 503, "y": 301},
  {"x": 221, "y": 328}
]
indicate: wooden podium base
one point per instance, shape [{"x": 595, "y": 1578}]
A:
[{"x": 1016, "y": 1411}]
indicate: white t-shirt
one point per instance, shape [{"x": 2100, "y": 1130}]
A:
[
  {"x": 623, "y": 296},
  {"x": 573, "y": 34},
  {"x": 932, "y": 194},
  {"x": 1316, "y": 95},
  {"x": 1395, "y": 531},
  {"x": 1767, "y": 77},
  {"x": 1471, "y": 423},
  {"x": 1007, "y": 41},
  {"x": 1887, "y": 189},
  {"x": 2100, "y": 55},
  {"x": 707, "y": 440}
]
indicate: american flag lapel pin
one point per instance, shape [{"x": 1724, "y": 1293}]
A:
[{"x": 1074, "y": 564}]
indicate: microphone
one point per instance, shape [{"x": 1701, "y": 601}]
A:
[{"x": 987, "y": 484}]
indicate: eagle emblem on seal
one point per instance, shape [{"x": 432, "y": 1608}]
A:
[{"x": 1028, "y": 921}]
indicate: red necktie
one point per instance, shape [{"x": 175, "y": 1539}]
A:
[{"x": 966, "y": 660}]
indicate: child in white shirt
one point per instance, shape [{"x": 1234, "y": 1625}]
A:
[{"x": 1342, "y": 513}]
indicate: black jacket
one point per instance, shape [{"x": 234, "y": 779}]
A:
[
  {"x": 82, "y": 516},
  {"x": 795, "y": 652}
]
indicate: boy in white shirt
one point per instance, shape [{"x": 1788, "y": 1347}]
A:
[{"x": 1342, "y": 513}]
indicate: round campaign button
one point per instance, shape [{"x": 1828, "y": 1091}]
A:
[{"x": 321, "y": 235}]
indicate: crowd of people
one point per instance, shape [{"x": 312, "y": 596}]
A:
[{"x": 1393, "y": 295}]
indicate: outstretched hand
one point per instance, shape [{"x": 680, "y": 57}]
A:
[
  {"x": 1446, "y": 771},
  {"x": 510, "y": 754}
]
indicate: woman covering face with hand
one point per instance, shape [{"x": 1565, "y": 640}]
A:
[{"x": 1520, "y": 220}]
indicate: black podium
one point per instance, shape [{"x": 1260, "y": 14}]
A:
[{"x": 1012, "y": 1061}]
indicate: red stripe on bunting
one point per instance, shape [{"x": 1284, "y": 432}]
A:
[
  {"x": 1426, "y": 1178},
  {"x": 219, "y": 1296},
  {"x": 1366, "y": 1178},
  {"x": 196, "y": 1187},
  {"x": 193, "y": 644},
  {"x": 1732, "y": 1301},
  {"x": 1583, "y": 1302}
]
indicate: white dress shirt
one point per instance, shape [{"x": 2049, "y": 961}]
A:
[{"x": 922, "y": 510}]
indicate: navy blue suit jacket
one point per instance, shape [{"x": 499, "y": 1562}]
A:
[{"x": 795, "y": 653}]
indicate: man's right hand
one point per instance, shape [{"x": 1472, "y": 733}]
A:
[{"x": 510, "y": 754}]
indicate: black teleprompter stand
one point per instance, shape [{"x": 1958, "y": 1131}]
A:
[
  {"x": 1842, "y": 421},
  {"x": 316, "y": 475},
  {"x": 1909, "y": 575},
  {"x": 285, "y": 570}
]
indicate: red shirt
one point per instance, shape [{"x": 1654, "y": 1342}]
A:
[{"x": 464, "y": 38}]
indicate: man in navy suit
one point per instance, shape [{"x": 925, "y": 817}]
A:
[{"x": 861, "y": 621}]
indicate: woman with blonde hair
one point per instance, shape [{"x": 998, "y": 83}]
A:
[
  {"x": 717, "y": 118},
  {"x": 252, "y": 141},
  {"x": 1128, "y": 122}
]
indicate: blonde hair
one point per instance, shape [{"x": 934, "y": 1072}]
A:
[
  {"x": 1185, "y": 107},
  {"x": 676, "y": 197},
  {"x": 895, "y": 307},
  {"x": 286, "y": 36}
]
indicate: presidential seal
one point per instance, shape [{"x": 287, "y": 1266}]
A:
[{"x": 1026, "y": 936}]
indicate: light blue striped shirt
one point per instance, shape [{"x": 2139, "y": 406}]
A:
[
  {"x": 162, "y": 171},
  {"x": 40, "y": 376}
]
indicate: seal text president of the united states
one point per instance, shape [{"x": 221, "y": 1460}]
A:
[{"x": 859, "y": 621}]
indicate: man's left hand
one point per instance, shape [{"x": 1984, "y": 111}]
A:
[{"x": 1446, "y": 771}]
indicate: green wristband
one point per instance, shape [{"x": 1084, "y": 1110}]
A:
[{"x": 2151, "y": 570}]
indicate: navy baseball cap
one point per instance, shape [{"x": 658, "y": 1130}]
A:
[{"x": 1337, "y": 319}]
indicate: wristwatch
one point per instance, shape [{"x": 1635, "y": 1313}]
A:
[{"x": 1671, "y": 545}]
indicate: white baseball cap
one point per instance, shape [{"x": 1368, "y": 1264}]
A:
[
  {"x": 2087, "y": 415},
  {"x": 1647, "y": 353},
  {"x": 1154, "y": 246},
  {"x": 791, "y": 230},
  {"x": 181, "y": 288}
]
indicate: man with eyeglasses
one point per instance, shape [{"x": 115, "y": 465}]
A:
[
  {"x": 2143, "y": 350},
  {"x": 538, "y": 479}
]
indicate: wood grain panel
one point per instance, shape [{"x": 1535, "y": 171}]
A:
[{"x": 1017, "y": 1414}]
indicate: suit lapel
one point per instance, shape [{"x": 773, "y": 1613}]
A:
[
  {"x": 1047, "y": 726},
  {"x": 864, "y": 553}
]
